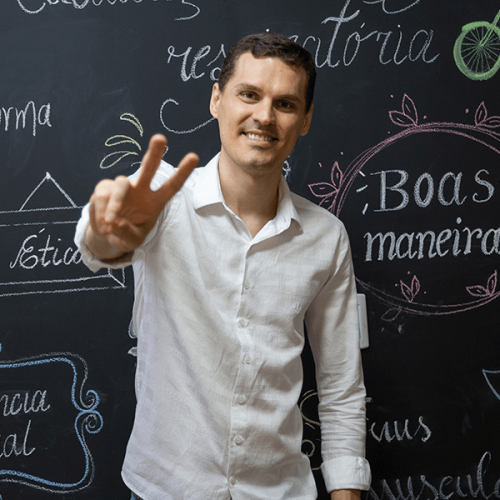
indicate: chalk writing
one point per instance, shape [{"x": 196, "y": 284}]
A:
[
  {"x": 395, "y": 47},
  {"x": 402, "y": 189},
  {"x": 194, "y": 10},
  {"x": 17, "y": 119},
  {"x": 24, "y": 403},
  {"x": 399, "y": 431},
  {"x": 424, "y": 190},
  {"x": 420, "y": 487},
  {"x": 391, "y": 49},
  {"x": 200, "y": 54},
  {"x": 43, "y": 244},
  {"x": 431, "y": 244},
  {"x": 46, "y": 254},
  {"x": 22, "y": 409},
  {"x": 9, "y": 446}
]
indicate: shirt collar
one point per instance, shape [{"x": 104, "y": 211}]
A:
[{"x": 207, "y": 191}]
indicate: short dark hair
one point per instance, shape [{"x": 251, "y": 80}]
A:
[{"x": 271, "y": 45}]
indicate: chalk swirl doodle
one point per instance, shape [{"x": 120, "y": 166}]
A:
[
  {"x": 408, "y": 294},
  {"x": 42, "y": 408}
]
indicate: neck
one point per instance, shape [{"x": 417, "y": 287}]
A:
[{"x": 253, "y": 198}]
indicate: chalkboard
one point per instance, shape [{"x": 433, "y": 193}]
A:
[{"x": 404, "y": 148}]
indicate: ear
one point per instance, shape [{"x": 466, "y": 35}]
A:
[
  {"x": 307, "y": 121},
  {"x": 214, "y": 100}
]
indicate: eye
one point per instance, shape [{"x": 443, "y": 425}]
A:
[
  {"x": 248, "y": 95},
  {"x": 286, "y": 105}
]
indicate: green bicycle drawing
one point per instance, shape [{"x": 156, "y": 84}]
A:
[{"x": 477, "y": 49}]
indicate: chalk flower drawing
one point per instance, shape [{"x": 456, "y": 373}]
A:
[
  {"x": 332, "y": 195},
  {"x": 115, "y": 140}
]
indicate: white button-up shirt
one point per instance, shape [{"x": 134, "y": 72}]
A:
[{"x": 219, "y": 317}]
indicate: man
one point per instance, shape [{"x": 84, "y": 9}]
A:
[{"x": 228, "y": 266}]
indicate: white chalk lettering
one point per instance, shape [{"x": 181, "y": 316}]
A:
[
  {"x": 82, "y": 4},
  {"x": 400, "y": 431},
  {"x": 449, "y": 191},
  {"x": 9, "y": 445},
  {"x": 22, "y": 403},
  {"x": 416, "y": 488},
  {"x": 431, "y": 244},
  {"x": 391, "y": 43},
  {"x": 45, "y": 254},
  {"x": 19, "y": 118}
]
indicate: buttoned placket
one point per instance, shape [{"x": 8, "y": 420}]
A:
[
  {"x": 248, "y": 365},
  {"x": 245, "y": 375}
]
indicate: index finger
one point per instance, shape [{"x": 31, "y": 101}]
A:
[{"x": 151, "y": 160}]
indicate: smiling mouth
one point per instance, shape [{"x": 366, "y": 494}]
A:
[{"x": 262, "y": 138}]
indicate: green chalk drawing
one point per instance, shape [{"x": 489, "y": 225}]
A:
[{"x": 477, "y": 49}]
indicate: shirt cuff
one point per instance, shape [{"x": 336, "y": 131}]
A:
[
  {"x": 88, "y": 258},
  {"x": 346, "y": 473}
]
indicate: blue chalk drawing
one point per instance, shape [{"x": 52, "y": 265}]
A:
[{"x": 87, "y": 420}]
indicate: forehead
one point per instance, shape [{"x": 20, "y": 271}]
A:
[{"x": 269, "y": 73}]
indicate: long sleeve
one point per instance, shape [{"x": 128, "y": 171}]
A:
[{"x": 332, "y": 324}]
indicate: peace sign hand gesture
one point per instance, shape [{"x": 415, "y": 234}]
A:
[{"x": 122, "y": 212}]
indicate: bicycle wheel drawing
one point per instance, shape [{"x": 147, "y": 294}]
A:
[{"x": 477, "y": 50}]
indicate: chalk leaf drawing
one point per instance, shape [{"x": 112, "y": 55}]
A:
[
  {"x": 408, "y": 117},
  {"x": 481, "y": 118},
  {"x": 485, "y": 291},
  {"x": 113, "y": 158},
  {"x": 410, "y": 291},
  {"x": 333, "y": 193},
  {"x": 327, "y": 191}
]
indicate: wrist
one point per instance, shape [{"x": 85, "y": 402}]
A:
[{"x": 102, "y": 249}]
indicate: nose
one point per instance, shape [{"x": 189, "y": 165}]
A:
[{"x": 264, "y": 112}]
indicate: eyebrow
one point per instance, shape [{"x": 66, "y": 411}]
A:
[{"x": 249, "y": 86}]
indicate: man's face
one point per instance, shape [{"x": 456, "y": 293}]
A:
[{"x": 261, "y": 113}]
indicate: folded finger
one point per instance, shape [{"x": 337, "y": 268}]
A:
[{"x": 110, "y": 215}]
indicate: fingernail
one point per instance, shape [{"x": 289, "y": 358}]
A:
[{"x": 110, "y": 217}]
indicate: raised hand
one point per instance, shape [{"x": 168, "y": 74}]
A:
[{"x": 122, "y": 212}]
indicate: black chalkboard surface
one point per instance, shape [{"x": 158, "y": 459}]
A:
[{"x": 404, "y": 148}]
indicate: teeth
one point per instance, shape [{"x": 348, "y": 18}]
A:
[{"x": 256, "y": 137}]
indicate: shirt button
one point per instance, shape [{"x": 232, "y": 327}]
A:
[
  {"x": 238, "y": 440},
  {"x": 242, "y": 400},
  {"x": 246, "y": 285},
  {"x": 242, "y": 323},
  {"x": 232, "y": 480},
  {"x": 247, "y": 359}
]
